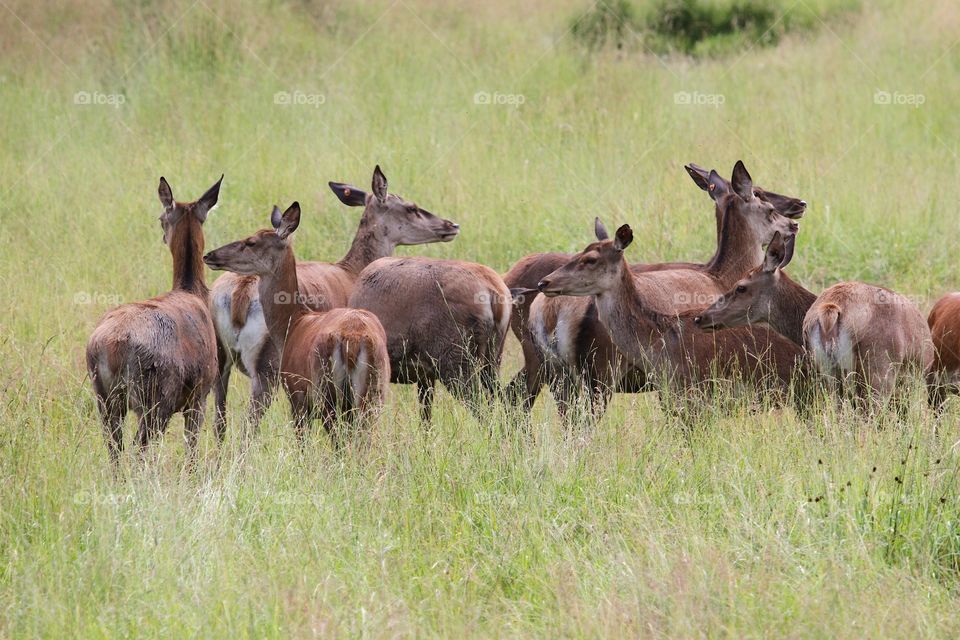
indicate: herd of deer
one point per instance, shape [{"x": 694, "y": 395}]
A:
[{"x": 590, "y": 324}]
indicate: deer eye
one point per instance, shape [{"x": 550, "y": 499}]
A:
[
  {"x": 741, "y": 288},
  {"x": 250, "y": 243}
]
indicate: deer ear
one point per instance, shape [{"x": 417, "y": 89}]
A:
[
  {"x": 776, "y": 252},
  {"x": 599, "y": 230},
  {"x": 208, "y": 201},
  {"x": 379, "y": 184},
  {"x": 166, "y": 194},
  {"x": 790, "y": 243},
  {"x": 624, "y": 238},
  {"x": 289, "y": 221},
  {"x": 741, "y": 181},
  {"x": 716, "y": 185},
  {"x": 276, "y": 217},
  {"x": 700, "y": 176},
  {"x": 348, "y": 194}
]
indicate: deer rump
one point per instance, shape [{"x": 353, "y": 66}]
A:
[{"x": 444, "y": 319}]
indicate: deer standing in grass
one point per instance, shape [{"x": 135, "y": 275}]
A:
[
  {"x": 855, "y": 334},
  {"x": 594, "y": 351},
  {"x": 388, "y": 221},
  {"x": 576, "y": 352},
  {"x": 158, "y": 357},
  {"x": 669, "y": 347},
  {"x": 333, "y": 364},
  {"x": 446, "y": 320}
]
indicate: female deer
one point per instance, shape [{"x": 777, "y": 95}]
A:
[
  {"x": 387, "y": 222},
  {"x": 333, "y": 364},
  {"x": 853, "y": 332},
  {"x": 670, "y": 348},
  {"x": 576, "y": 349},
  {"x": 158, "y": 357}
]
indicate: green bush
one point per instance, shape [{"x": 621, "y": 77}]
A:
[{"x": 698, "y": 27}]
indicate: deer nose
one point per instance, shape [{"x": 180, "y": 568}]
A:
[
  {"x": 803, "y": 203},
  {"x": 543, "y": 284}
]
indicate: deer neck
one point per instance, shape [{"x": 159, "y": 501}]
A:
[
  {"x": 738, "y": 250},
  {"x": 369, "y": 244},
  {"x": 791, "y": 304},
  {"x": 280, "y": 298},
  {"x": 636, "y": 330},
  {"x": 186, "y": 247}
]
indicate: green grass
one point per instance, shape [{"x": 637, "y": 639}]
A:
[{"x": 745, "y": 526}]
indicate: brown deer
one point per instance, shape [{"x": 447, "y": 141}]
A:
[
  {"x": 445, "y": 320},
  {"x": 581, "y": 317},
  {"x": 577, "y": 354},
  {"x": 388, "y": 221},
  {"x": 854, "y": 333},
  {"x": 944, "y": 323},
  {"x": 669, "y": 347},
  {"x": 333, "y": 364},
  {"x": 158, "y": 357}
]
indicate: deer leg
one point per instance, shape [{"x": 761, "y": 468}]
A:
[
  {"x": 301, "y": 417},
  {"x": 526, "y": 385},
  {"x": 263, "y": 382},
  {"x": 192, "y": 421},
  {"x": 225, "y": 366},
  {"x": 112, "y": 406},
  {"x": 425, "y": 393}
]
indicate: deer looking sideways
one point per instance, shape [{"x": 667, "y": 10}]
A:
[
  {"x": 333, "y": 364},
  {"x": 577, "y": 351},
  {"x": 158, "y": 357},
  {"x": 388, "y": 221},
  {"x": 854, "y": 333},
  {"x": 670, "y": 348}
]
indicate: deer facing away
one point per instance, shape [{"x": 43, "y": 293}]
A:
[{"x": 158, "y": 357}]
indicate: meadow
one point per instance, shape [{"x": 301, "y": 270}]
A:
[{"x": 753, "y": 524}]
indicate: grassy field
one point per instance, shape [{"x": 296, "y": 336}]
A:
[{"x": 755, "y": 524}]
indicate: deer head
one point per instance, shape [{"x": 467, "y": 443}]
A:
[
  {"x": 395, "y": 219},
  {"x": 264, "y": 252},
  {"x": 754, "y": 297},
  {"x": 594, "y": 270}
]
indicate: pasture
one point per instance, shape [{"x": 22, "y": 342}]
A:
[{"x": 754, "y": 523}]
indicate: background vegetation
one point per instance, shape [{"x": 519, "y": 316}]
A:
[{"x": 493, "y": 114}]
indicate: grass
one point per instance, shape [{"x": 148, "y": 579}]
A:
[{"x": 745, "y": 526}]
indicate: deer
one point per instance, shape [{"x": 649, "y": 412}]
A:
[
  {"x": 577, "y": 353},
  {"x": 854, "y": 333},
  {"x": 388, "y": 221},
  {"x": 446, "y": 320},
  {"x": 333, "y": 364},
  {"x": 158, "y": 357},
  {"x": 522, "y": 278},
  {"x": 673, "y": 351},
  {"x": 944, "y": 375}
]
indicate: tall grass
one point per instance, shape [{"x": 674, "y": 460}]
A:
[{"x": 755, "y": 523}]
